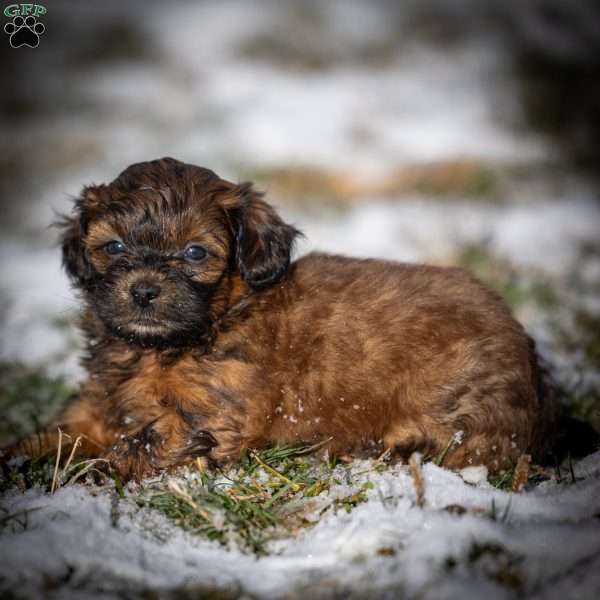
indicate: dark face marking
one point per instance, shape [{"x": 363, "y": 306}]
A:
[
  {"x": 153, "y": 304},
  {"x": 152, "y": 251},
  {"x": 148, "y": 288}
]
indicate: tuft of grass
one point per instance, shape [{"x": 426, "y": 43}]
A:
[
  {"x": 503, "y": 480},
  {"x": 261, "y": 499},
  {"x": 51, "y": 472},
  {"x": 31, "y": 472}
]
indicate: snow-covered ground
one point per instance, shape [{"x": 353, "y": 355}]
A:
[
  {"x": 202, "y": 95},
  {"x": 469, "y": 540}
]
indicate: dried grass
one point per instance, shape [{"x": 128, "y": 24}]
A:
[
  {"x": 414, "y": 465},
  {"x": 521, "y": 474}
]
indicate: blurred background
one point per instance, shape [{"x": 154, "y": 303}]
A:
[{"x": 455, "y": 132}]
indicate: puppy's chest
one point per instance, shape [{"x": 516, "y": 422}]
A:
[
  {"x": 154, "y": 387},
  {"x": 191, "y": 388}
]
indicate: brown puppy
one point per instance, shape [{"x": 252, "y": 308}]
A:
[{"x": 203, "y": 340}]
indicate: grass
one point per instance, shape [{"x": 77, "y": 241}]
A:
[
  {"x": 304, "y": 184},
  {"x": 264, "y": 498},
  {"x": 579, "y": 338},
  {"x": 54, "y": 471},
  {"x": 27, "y": 474},
  {"x": 267, "y": 496},
  {"x": 502, "y": 480},
  {"x": 583, "y": 336},
  {"x": 29, "y": 397},
  {"x": 517, "y": 286}
]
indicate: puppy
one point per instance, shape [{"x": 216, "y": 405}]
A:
[{"x": 202, "y": 339}]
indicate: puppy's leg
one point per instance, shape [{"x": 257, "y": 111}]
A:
[
  {"x": 219, "y": 428},
  {"x": 217, "y": 435},
  {"x": 224, "y": 414},
  {"x": 218, "y": 418},
  {"x": 244, "y": 425},
  {"x": 487, "y": 425}
]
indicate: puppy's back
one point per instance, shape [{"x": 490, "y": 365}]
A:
[
  {"x": 391, "y": 297},
  {"x": 423, "y": 352}
]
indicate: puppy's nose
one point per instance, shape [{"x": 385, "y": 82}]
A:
[{"x": 144, "y": 292}]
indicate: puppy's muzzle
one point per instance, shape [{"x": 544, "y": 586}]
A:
[{"x": 144, "y": 292}]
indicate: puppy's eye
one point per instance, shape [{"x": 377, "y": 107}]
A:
[
  {"x": 195, "y": 253},
  {"x": 115, "y": 247}
]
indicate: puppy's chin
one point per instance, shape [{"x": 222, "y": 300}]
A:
[{"x": 159, "y": 335}]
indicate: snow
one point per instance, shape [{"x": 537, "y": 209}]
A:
[
  {"x": 35, "y": 297},
  {"x": 387, "y": 543},
  {"x": 476, "y": 475},
  {"x": 201, "y": 101},
  {"x": 417, "y": 229}
]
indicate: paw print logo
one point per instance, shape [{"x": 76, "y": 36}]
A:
[{"x": 24, "y": 31}]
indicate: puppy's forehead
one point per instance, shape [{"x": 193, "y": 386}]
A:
[{"x": 160, "y": 218}]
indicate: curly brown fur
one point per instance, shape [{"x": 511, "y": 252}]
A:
[{"x": 238, "y": 348}]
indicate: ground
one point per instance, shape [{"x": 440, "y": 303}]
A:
[{"x": 374, "y": 143}]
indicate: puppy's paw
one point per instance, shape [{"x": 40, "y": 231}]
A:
[
  {"x": 228, "y": 449},
  {"x": 142, "y": 455},
  {"x": 136, "y": 456}
]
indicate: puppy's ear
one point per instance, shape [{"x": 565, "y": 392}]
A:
[
  {"x": 264, "y": 242},
  {"x": 74, "y": 258}
]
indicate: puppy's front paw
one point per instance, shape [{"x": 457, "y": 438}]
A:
[
  {"x": 142, "y": 455},
  {"x": 228, "y": 449},
  {"x": 136, "y": 456}
]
